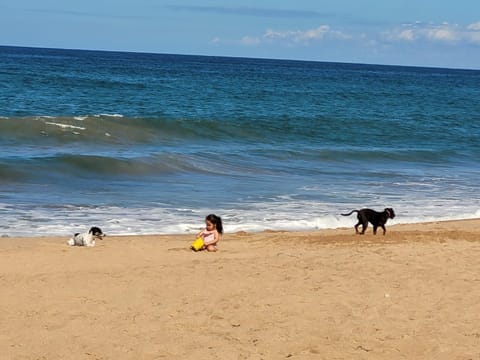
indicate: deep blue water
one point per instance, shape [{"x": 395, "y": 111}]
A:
[{"x": 151, "y": 143}]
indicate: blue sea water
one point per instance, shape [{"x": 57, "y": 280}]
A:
[{"x": 151, "y": 143}]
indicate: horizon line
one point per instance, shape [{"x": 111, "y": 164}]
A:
[{"x": 240, "y": 57}]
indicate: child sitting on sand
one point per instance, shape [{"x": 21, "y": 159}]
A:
[{"x": 212, "y": 232}]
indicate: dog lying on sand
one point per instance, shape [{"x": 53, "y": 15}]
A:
[
  {"x": 376, "y": 218},
  {"x": 86, "y": 239}
]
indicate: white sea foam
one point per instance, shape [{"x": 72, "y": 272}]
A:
[
  {"x": 109, "y": 115},
  {"x": 143, "y": 221},
  {"x": 65, "y": 126}
]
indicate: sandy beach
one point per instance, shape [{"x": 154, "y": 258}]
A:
[{"x": 412, "y": 294}]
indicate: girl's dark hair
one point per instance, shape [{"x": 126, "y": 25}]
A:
[{"x": 217, "y": 221}]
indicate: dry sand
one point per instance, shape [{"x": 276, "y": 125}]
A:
[{"x": 412, "y": 294}]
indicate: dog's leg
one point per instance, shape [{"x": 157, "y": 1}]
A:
[
  {"x": 356, "y": 227},
  {"x": 384, "y": 230},
  {"x": 363, "y": 220},
  {"x": 364, "y": 227},
  {"x": 375, "y": 229}
]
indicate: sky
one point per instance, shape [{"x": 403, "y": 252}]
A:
[{"x": 437, "y": 33}]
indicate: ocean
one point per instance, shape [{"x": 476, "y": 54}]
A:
[{"x": 142, "y": 143}]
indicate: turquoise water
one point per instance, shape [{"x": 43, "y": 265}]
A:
[{"x": 151, "y": 143}]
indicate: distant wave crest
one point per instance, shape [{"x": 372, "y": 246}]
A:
[
  {"x": 75, "y": 165},
  {"x": 119, "y": 129}
]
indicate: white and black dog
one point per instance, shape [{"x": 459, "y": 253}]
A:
[{"x": 86, "y": 239}]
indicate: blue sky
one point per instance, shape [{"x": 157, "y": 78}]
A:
[{"x": 439, "y": 33}]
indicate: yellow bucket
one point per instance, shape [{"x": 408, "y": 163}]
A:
[{"x": 198, "y": 244}]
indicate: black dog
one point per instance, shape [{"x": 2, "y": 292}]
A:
[{"x": 376, "y": 218}]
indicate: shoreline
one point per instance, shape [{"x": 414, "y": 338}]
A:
[
  {"x": 268, "y": 295},
  {"x": 456, "y": 223}
]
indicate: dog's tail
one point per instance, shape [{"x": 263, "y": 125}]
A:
[{"x": 350, "y": 213}]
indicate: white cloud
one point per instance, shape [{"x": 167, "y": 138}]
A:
[
  {"x": 312, "y": 34},
  {"x": 291, "y": 37},
  {"x": 442, "y": 33},
  {"x": 473, "y": 33},
  {"x": 445, "y": 33},
  {"x": 271, "y": 34},
  {"x": 406, "y": 35},
  {"x": 474, "y": 27}
]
